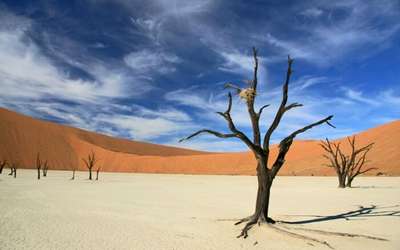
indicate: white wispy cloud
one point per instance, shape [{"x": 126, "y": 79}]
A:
[
  {"x": 25, "y": 72},
  {"x": 325, "y": 42},
  {"x": 358, "y": 96},
  {"x": 148, "y": 62},
  {"x": 312, "y": 12},
  {"x": 141, "y": 128},
  {"x": 390, "y": 97}
]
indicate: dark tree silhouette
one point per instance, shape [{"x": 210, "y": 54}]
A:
[
  {"x": 3, "y": 163},
  {"x": 347, "y": 167},
  {"x": 45, "y": 168},
  {"x": 73, "y": 174},
  {"x": 266, "y": 172},
  {"x": 97, "y": 174},
  {"x": 38, "y": 165},
  {"x": 13, "y": 168},
  {"x": 90, "y": 162}
]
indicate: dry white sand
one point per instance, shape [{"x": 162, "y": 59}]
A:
[{"x": 149, "y": 211}]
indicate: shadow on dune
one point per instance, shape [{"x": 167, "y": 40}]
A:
[{"x": 361, "y": 212}]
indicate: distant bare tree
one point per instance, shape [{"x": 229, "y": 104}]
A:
[
  {"x": 261, "y": 149},
  {"x": 347, "y": 167},
  {"x": 38, "y": 165},
  {"x": 90, "y": 162},
  {"x": 73, "y": 174},
  {"x": 45, "y": 168},
  {"x": 97, "y": 174},
  {"x": 3, "y": 163},
  {"x": 13, "y": 168}
]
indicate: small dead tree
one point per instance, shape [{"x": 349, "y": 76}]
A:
[
  {"x": 347, "y": 167},
  {"x": 73, "y": 174},
  {"x": 38, "y": 165},
  {"x": 45, "y": 168},
  {"x": 97, "y": 174},
  {"x": 13, "y": 168},
  {"x": 90, "y": 162},
  {"x": 266, "y": 171},
  {"x": 3, "y": 164}
]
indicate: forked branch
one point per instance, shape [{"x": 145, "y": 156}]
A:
[{"x": 285, "y": 144}]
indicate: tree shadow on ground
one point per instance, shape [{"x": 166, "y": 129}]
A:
[
  {"x": 361, "y": 212},
  {"x": 374, "y": 187}
]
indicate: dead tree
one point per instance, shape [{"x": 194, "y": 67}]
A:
[
  {"x": 38, "y": 165},
  {"x": 3, "y": 164},
  {"x": 267, "y": 169},
  {"x": 90, "y": 162},
  {"x": 347, "y": 167},
  {"x": 13, "y": 168},
  {"x": 45, "y": 168},
  {"x": 97, "y": 174},
  {"x": 73, "y": 174}
]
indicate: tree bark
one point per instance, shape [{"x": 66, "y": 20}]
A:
[
  {"x": 349, "y": 181},
  {"x": 342, "y": 181},
  {"x": 90, "y": 174},
  {"x": 263, "y": 193},
  {"x": 38, "y": 173}
]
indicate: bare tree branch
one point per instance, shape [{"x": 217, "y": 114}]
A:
[
  {"x": 215, "y": 133},
  {"x": 281, "y": 110},
  {"x": 285, "y": 144},
  {"x": 261, "y": 110},
  {"x": 255, "y": 80},
  {"x": 235, "y": 132}
]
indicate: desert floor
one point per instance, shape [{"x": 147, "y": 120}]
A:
[{"x": 150, "y": 211}]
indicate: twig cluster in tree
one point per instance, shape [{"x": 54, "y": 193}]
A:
[
  {"x": 266, "y": 172},
  {"x": 347, "y": 166}
]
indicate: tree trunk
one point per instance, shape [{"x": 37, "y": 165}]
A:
[
  {"x": 73, "y": 175},
  {"x": 38, "y": 173},
  {"x": 15, "y": 173},
  {"x": 349, "y": 181},
  {"x": 342, "y": 181},
  {"x": 90, "y": 173},
  {"x": 263, "y": 194}
]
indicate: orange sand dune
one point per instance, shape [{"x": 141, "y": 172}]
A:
[{"x": 23, "y": 137}]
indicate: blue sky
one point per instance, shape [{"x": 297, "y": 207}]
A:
[{"x": 154, "y": 70}]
